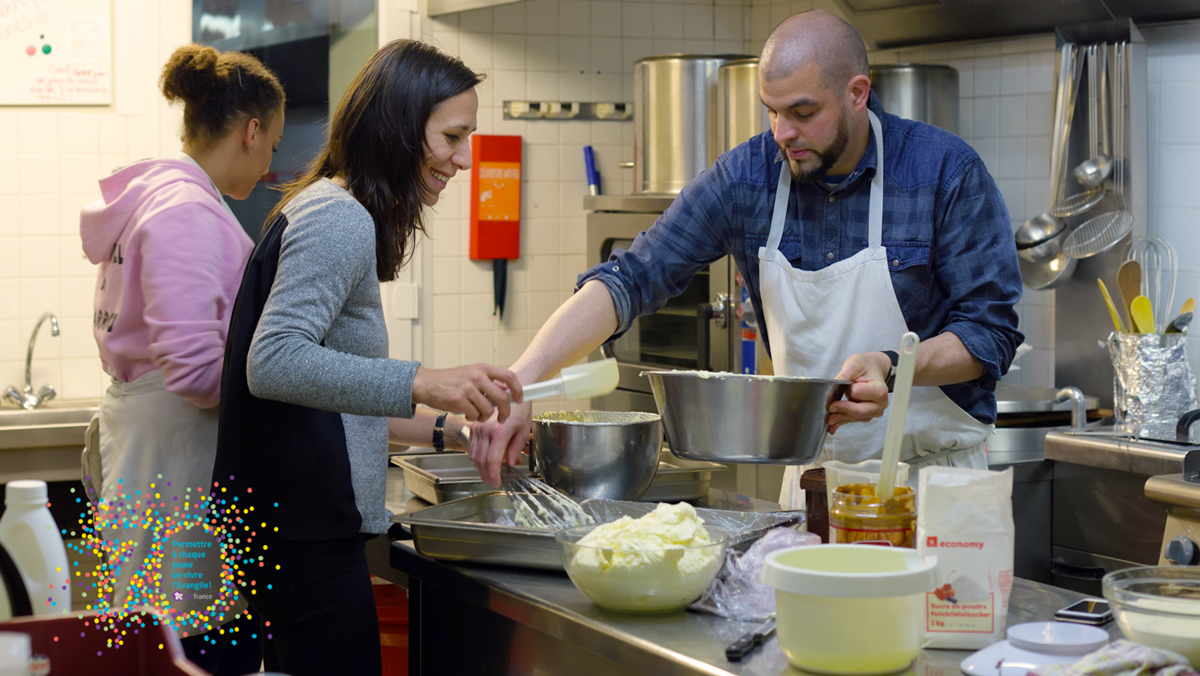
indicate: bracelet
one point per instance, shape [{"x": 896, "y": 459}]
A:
[{"x": 439, "y": 429}]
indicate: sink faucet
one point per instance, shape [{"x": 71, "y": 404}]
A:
[{"x": 26, "y": 398}]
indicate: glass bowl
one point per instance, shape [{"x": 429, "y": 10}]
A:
[
  {"x": 1158, "y": 606},
  {"x": 641, "y": 581}
]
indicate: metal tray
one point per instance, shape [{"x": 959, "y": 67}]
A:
[
  {"x": 442, "y": 477},
  {"x": 463, "y": 530},
  {"x": 678, "y": 479},
  {"x": 451, "y": 476}
]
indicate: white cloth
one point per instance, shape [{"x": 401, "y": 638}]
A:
[
  {"x": 818, "y": 318},
  {"x": 144, "y": 435}
]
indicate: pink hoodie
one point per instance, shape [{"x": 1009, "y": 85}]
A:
[{"x": 171, "y": 260}]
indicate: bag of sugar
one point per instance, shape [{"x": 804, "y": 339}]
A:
[{"x": 964, "y": 518}]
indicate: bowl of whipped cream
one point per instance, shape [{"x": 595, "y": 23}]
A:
[{"x": 657, "y": 563}]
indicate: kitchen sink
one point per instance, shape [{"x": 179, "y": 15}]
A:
[{"x": 44, "y": 443}]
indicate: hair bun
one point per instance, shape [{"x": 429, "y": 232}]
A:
[{"x": 191, "y": 74}]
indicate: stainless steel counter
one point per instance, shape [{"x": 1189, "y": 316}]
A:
[{"x": 482, "y": 619}]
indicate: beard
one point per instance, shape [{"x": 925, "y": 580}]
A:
[{"x": 827, "y": 156}]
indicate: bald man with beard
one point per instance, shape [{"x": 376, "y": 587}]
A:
[{"x": 850, "y": 226}]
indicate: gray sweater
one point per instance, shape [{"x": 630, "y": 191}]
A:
[{"x": 322, "y": 341}]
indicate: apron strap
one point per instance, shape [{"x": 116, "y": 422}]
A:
[
  {"x": 875, "y": 215},
  {"x": 780, "y": 212}
]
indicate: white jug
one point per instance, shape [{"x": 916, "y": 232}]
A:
[{"x": 32, "y": 538}]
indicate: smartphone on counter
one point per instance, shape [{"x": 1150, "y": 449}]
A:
[{"x": 1087, "y": 611}]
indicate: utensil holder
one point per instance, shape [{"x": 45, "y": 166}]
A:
[{"x": 1153, "y": 384}]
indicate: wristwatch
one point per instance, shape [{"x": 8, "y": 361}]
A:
[
  {"x": 439, "y": 433},
  {"x": 891, "y": 374}
]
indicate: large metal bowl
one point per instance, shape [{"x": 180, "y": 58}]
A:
[
  {"x": 730, "y": 417},
  {"x": 597, "y": 454}
]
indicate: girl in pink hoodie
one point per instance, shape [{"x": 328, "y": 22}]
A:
[{"x": 171, "y": 256}]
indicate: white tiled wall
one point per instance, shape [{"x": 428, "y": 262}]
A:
[
  {"x": 1174, "y": 140},
  {"x": 50, "y": 159}
]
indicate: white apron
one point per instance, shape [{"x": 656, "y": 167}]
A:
[
  {"x": 818, "y": 318},
  {"x": 145, "y": 435}
]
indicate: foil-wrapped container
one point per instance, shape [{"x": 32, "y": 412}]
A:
[{"x": 1153, "y": 384}]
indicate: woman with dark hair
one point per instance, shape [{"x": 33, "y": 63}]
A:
[
  {"x": 171, "y": 256},
  {"x": 308, "y": 386}
]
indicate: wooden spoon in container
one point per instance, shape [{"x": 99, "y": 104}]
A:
[{"x": 1129, "y": 284}]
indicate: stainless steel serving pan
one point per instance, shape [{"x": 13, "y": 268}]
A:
[
  {"x": 464, "y": 530},
  {"x": 450, "y": 476}
]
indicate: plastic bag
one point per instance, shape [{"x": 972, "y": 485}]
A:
[{"x": 738, "y": 592}]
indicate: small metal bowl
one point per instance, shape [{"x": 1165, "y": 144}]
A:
[
  {"x": 597, "y": 454},
  {"x": 1049, "y": 273},
  {"x": 1040, "y": 238},
  {"x": 731, "y": 417}
]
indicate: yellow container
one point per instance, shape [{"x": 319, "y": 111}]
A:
[
  {"x": 849, "y": 609},
  {"x": 856, "y": 515}
]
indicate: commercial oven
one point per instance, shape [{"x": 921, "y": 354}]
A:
[{"x": 696, "y": 330}]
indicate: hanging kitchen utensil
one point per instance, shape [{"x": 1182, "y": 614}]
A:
[
  {"x": 1112, "y": 309},
  {"x": 1129, "y": 285},
  {"x": 1082, "y": 201},
  {"x": 1092, "y": 172},
  {"x": 901, "y": 391},
  {"x": 1101, "y": 233},
  {"x": 1143, "y": 314},
  {"x": 1034, "y": 233},
  {"x": 1044, "y": 265}
]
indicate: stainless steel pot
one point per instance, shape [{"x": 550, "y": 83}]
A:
[
  {"x": 674, "y": 119},
  {"x": 598, "y": 454},
  {"x": 919, "y": 92},
  {"x": 731, "y": 417},
  {"x": 741, "y": 114}
]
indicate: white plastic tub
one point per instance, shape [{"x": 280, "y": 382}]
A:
[{"x": 849, "y": 609}]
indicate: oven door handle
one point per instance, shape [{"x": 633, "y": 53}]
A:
[
  {"x": 1084, "y": 573},
  {"x": 705, "y": 313}
]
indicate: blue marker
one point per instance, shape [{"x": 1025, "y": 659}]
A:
[{"x": 593, "y": 176}]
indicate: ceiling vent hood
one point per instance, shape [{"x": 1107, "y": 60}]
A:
[{"x": 897, "y": 23}]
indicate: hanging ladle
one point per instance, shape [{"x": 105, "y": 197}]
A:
[{"x": 1092, "y": 172}]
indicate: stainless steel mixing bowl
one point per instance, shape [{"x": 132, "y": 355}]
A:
[
  {"x": 597, "y": 454},
  {"x": 730, "y": 417}
]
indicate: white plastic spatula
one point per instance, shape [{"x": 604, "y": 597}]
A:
[
  {"x": 901, "y": 390},
  {"x": 582, "y": 381}
]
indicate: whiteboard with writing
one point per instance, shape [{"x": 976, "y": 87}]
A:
[{"x": 55, "y": 52}]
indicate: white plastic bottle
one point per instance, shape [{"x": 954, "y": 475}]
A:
[{"x": 31, "y": 537}]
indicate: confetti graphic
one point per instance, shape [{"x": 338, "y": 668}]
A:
[{"x": 179, "y": 532}]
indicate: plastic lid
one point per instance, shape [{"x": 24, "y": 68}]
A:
[
  {"x": 849, "y": 571},
  {"x": 1057, "y": 638},
  {"x": 25, "y": 492},
  {"x": 813, "y": 480}
]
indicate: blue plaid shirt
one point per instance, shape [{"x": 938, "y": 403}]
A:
[{"x": 945, "y": 227}]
